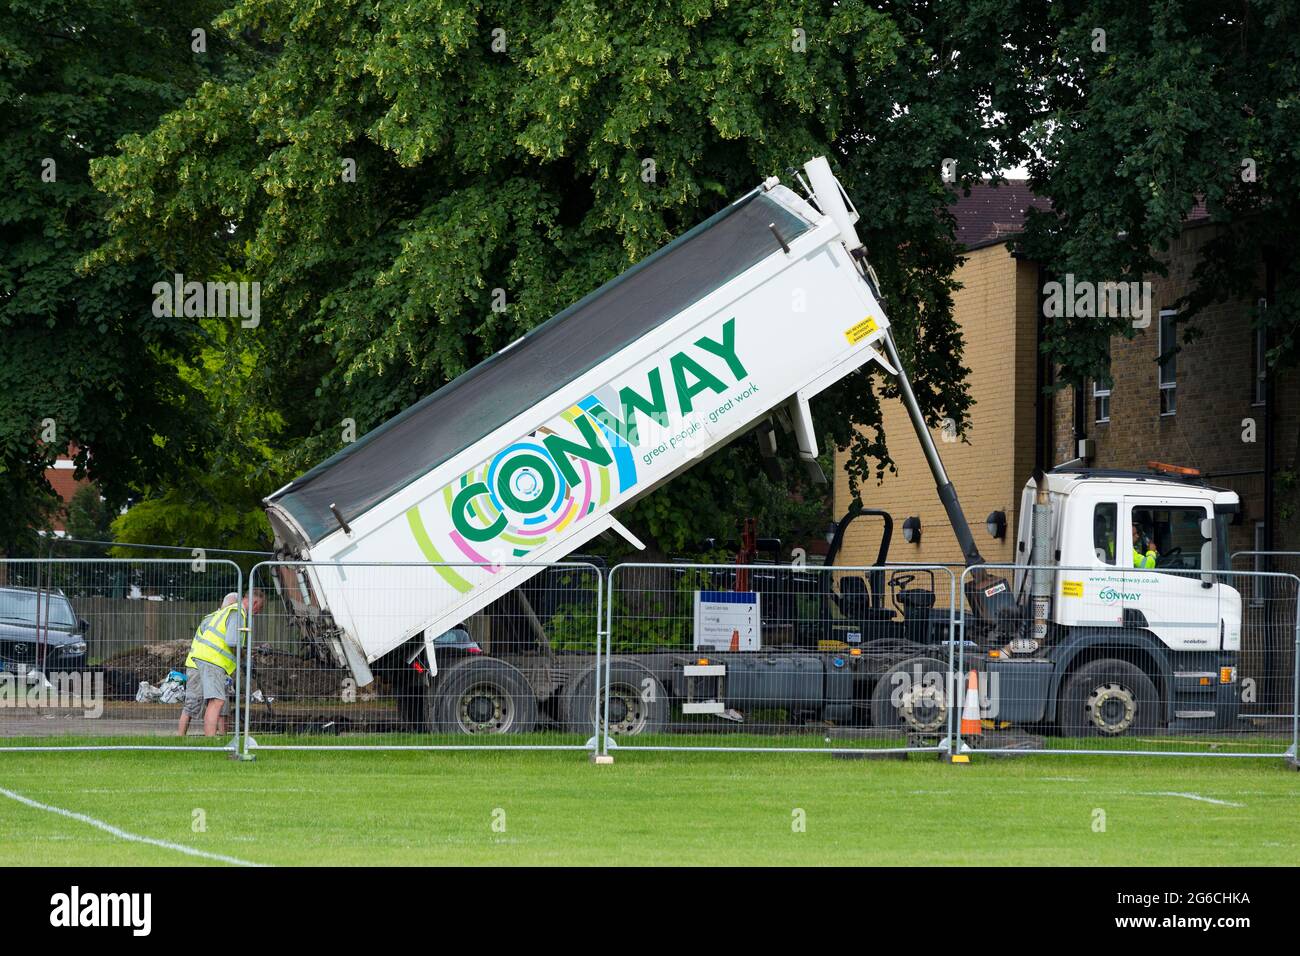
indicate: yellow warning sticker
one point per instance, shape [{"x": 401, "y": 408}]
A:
[
  {"x": 1072, "y": 589},
  {"x": 860, "y": 331}
]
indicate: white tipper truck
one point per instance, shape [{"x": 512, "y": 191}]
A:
[{"x": 742, "y": 320}]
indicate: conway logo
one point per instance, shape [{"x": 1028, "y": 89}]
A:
[
  {"x": 525, "y": 479},
  {"x": 1110, "y": 595},
  {"x": 684, "y": 368}
]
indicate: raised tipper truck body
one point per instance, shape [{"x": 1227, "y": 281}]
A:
[{"x": 528, "y": 455}]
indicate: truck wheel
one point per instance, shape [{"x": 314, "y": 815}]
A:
[
  {"x": 910, "y": 696},
  {"x": 1108, "y": 698},
  {"x": 638, "y": 703},
  {"x": 483, "y": 696}
]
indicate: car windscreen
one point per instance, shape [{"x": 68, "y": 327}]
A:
[{"x": 29, "y": 607}]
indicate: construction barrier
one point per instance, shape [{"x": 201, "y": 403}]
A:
[
  {"x": 760, "y": 657},
  {"x": 1271, "y": 664},
  {"x": 1282, "y": 562},
  {"x": 92, "y": 651},
  {"x": 849, "y": 661},
  {"x": 1138, "y": 660},
  {"x": 504, "y": 677}
]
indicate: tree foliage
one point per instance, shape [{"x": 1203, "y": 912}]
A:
[
  {"x": 524, "y": 153},
  {"x": 83, "y": 361},
  {"x": 415, "y": 184},
  {"x": 1172, "y": 107},
  {"x": 214, "y": 501}
]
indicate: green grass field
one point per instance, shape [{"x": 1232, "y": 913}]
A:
[{"x": 309, "y": 808}]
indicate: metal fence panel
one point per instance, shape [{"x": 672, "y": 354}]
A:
[
  {"x": 1281, "y": 562},
  {"x": 1282, "y": 693},
  {"x": 763, "y": 657},
  {"x": 1270, "y": 661},
  {"x": 1131, "y": 660},
  {"x": 86, "y": 647},
  {"x": 506, "y": 676}
]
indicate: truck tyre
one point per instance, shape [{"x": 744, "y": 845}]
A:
[
  {"x": 638, "y": 703},
  {"x": 910, "y": 696},
  {"x": 411, "y": 691},
  {"x": 483, "y": 696},
  {"x": 1108, "y": 698}
]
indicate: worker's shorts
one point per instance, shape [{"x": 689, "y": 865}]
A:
[{"x": 203, "y": 682}]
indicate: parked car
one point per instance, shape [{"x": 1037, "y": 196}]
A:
[{"x": 29, "y": 617}]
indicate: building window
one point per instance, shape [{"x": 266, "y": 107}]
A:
[
  {"x": 1101, "y": 393},
  {"x": 1166, "y": 346},
  {"x": 1101, "y": 402},
  {"x": 1261, "y": 356}
]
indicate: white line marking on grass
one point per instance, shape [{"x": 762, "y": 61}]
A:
[
  {"x": 122, "y": 834},
  {"x": 192, "y": 790},
  {"x": 1194, "y": 796}
]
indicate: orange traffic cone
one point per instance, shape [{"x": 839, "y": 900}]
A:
[
  {"x": 970, "y": 711},
  {"x": 735, "y": 640}
]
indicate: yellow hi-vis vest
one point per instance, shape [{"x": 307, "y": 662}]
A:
[
  {"x": 210, "y": 644},
  {"x": 1147, "y": 560}
]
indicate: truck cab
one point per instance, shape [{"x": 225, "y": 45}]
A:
[{"x": 1137, "y": 560}]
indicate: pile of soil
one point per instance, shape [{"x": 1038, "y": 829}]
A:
[{"x": 279, "y": 674}]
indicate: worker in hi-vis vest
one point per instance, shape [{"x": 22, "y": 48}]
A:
[
  {"x": 1144, "y": 552},
  {"x": 211, "y": 661}
]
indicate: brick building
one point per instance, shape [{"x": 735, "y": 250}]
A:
[
  {"x": 996, "y": 308},
  {"x": 62, "y": 478},
  {"x": 1204, "y": 407}
]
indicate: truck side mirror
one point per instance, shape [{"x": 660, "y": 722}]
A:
[{"x": 1207, "y": 551}]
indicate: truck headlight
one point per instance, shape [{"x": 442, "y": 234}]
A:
[{"x": 76, "y": 649}]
